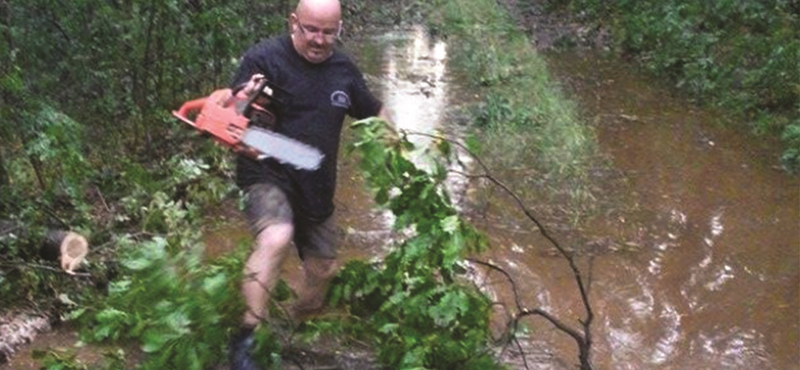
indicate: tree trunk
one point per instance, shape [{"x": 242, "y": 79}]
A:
[
  {"x": 6, "y": 65},
  {"x": 5, "y": 182},
  {"x": 17, "y": 329},
  {"x": 66, "y": 247},
  {"x": 5, "y": 22}
]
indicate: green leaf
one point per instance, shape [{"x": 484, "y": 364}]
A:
[
  {"x": 450, "y": 224},
  {"x": 178, "y": 322},
  {"x": 75, "y": 314},
  {"x": 390, "y": 328},
  {"x": 119, "y": 287},
  {"x": 382, "y": 196},
  {"x": 444, "y": 147},
  {"x": 215, "y": 284},
  {"x": 448, "y": 308},
  {"x": 154, "y": 340}
]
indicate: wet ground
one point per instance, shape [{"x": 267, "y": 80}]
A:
[{"x": 696, "y": 261}]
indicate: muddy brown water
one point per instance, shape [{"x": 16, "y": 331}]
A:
[
  {"x": 717, "y": 284},
  {"x": 699, "y": 265}
]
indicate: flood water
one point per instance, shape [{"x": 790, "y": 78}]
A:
[
  {"x": 701, "y": 261},
  {"x": 717, "y": 283},
  {"x": 698, "y": 261}
]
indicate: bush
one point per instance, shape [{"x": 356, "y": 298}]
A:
[{"x": 743, "y": 55}]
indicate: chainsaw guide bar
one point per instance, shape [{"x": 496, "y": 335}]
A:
[{"x": 283, "y": 149}]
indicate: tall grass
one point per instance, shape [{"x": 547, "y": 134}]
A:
[{"x": 522, "y": 113}]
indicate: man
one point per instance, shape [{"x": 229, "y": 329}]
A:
[{"x": 284, "y": 203}]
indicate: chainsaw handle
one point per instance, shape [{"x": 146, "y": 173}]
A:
[
  {"x": 189, "y": 107},
  {"x": 252, "y": 99},
  {"x": 235, "y": 90}
]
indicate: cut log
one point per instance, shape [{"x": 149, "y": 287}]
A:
[{"x": 65, "y": 247}]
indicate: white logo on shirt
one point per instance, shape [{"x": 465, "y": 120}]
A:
[{"x": 340, "y": 99}]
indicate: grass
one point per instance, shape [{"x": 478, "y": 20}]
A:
[{"x": 521, "y": 112}]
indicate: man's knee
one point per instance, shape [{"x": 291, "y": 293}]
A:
[{"x": 274, "y": 239}]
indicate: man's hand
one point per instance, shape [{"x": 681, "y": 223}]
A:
[
  {"x": 391, "y": 134},
  {"x": 251, "y": 86}
]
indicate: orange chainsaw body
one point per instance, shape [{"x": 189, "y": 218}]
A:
[{"x": 216, "y": 115}]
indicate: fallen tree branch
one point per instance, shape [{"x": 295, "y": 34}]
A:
[{"x": 583, "y": 340}]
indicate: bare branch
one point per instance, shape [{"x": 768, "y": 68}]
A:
[{"x": 42, "y": 267}]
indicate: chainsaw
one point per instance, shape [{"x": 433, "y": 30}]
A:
[{"x": 247, "y": 125}]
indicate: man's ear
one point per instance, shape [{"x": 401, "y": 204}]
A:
[{"x": 292, "y": 22}]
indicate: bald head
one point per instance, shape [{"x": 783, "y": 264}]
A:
[
  {"x": 315, "y": 26},
  {"x": 321, "y": 10}
]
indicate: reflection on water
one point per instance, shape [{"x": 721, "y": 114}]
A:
[{"x": 415, "y": 89}]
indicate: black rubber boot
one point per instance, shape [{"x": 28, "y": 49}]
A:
[{"x": 240, "y": 347}]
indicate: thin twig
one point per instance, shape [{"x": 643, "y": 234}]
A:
[
  {"x": 44, "y": 267},
  {"x": 522, "y": 352},
  {"x": 52, "y": 214},
  {"x": 102, "y": 198}
]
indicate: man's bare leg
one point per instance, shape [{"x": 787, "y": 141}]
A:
[
  {"x": 262, "y": 268},
  {"x": 311, "y": 295}
]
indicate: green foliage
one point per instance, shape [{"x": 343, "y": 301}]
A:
[
  {"x": 497, "y": 110},
  {"x": 360, "y": 14},
  {"x": 266, "y": 348},
  {"x": 177, "y": 307},
  {"x": 791, "y": 156},
  {"x": 82, "y": 79},
  {"x": 163, "y": 50},
  {"x": 742, "y": 55},
  {"x": 61, "y": 359},
  {"x": 414, "y": 305}
]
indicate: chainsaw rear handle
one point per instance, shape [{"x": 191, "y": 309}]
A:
[
  {"x": 188, "y": 108},
  {"x": 253, "y": 97}
]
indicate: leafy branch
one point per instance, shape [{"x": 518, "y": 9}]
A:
[
  {"x": 413, "y": 303},
  {"x": 584, "y": 338}
]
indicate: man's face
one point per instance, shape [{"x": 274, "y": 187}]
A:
[{"x": 314, "y": 35}]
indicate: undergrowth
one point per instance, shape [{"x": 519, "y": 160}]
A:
[
  {"x": 740, "y": 55},
  {"x": 415, "y": 305}
]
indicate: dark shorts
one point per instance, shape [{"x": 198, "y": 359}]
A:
[{"x": 266, "y": 204}]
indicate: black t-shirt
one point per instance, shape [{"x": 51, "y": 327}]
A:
[{"x": 321, "y": 95}]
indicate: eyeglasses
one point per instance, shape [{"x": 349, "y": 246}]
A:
[{"x": 328, "y": 34}]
